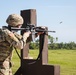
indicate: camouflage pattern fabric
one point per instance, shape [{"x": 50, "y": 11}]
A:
[{"x": 6, "y": 47}]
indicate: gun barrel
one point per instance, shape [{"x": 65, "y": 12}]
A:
[{"x": 44, "y": 31}]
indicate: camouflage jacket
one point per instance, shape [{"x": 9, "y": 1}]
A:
[{"x": 7, "y": 43}]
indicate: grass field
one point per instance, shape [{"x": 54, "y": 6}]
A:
[{"x": 65, "y": 58}]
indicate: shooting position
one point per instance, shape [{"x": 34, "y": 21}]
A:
[{"x": 9, "y": 40}]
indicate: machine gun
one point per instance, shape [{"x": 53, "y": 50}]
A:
[{"x": 32, "y": 29}]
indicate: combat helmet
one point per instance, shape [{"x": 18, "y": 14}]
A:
[{"x": 14, "y": 20}]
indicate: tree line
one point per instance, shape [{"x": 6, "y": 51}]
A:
[{"x": 52, "y": 44}]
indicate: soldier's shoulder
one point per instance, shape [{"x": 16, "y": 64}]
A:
[
  {"x": 1, "y": 30},
  {"x": 4, "y": 31}
]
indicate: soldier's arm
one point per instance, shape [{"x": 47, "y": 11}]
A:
[{"x": 14, "y": 40}]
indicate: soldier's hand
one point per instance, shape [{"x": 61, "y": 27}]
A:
[
  {"x": 27, "y": 34},
  {"x": 11, "y": 34},
  {"x": 42, "y": 28}
]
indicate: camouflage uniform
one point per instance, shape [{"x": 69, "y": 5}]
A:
[{"x": 6, "y": 47}]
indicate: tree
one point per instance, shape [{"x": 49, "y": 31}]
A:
[
  {"x": 52, "y": 42},
  {"x": 51, "y": 39}
]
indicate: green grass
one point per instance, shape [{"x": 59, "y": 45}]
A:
[{"x": 66, "y": 59}]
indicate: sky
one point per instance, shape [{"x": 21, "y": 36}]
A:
[{"x": 57, "y": 15}]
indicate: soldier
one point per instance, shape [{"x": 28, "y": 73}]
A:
[{"x": 9, "y": 40}]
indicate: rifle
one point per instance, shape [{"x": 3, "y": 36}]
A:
[{"x": 32, "y": 29}]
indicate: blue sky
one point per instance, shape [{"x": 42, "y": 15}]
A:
[{"x": 49, "y": 13}]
